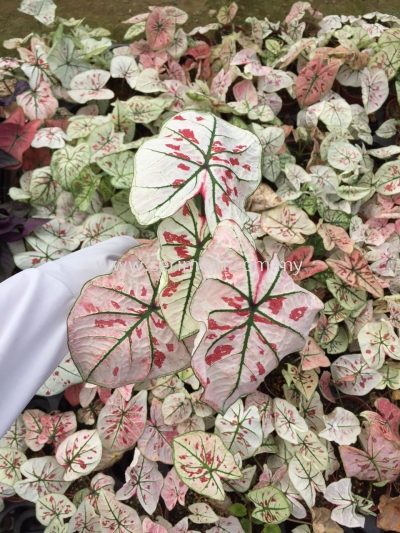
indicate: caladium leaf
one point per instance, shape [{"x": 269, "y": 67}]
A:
[
  {"x": 227, "y": 13},
  {"x": 306, "y": 478},
  {"x": 353, "y": 375},
  {"x": 232, "y": 305},
  {"x": 101, "y": 226},
  {"x": 305, "y": 381},
  {"x": 354, "y": 270},
  {"x": 121, "y": 422},
  {"x": 60, "y": 234},
  {"x": 116, "y": 316},
  {"x": 315, "y": 79},
  {"x": 288, "y": 224},
  {"x": 174, "y": 490},
  {"x": 38, "y": 103},
  {"x": 50, "y": 137},
  {"x": 271, "y": 504},
  {"x": 10, "y": 463},
  {"x": 182, "y": 238},
  {"x": 348, "y": 297},
  {"x": 54, "y": 507},
  {"x": 176, "y": 408},
  {"x": 63, "y": 63},
  {"x": 344, "y": 156},
  {"x": 144, "y": 481},
  {"x": 57, "y": 427},
  {"x": 378, "y": 340},
  {"x": 80, "y": 453},
  {"x": 342, "y": 426},
  {"x": 301, "y": 259},
  {"x": 160, "y": 29},
  {"x": 120, "y": 167},
  {"x": 345, "y": 511},
  {"x": 89, "y": 85},
  {"x": 103, "y": 140},
  {"x": 313, "y": 356},
  {"x": 42, "y": 475},
  {"x": 117, "y": 517},
  {"x": 201, "y": 461},
  {"x": 379, "y": 462},
  {"x": 375, "y": 89},
  {"x": 34, "y": 428},
  {"x": 125, "y": 67},
  {"x": 227, "y": 525},
  {"x": 220, "y": 161},
  {"x": 84, "y": 188},
  {"x": 311, "y": 448},
  {"x": 202, "y": 513},
  {"x": 42, "y": 187},
  {"x": 156, "y": 441},
  {"x": 85, "y": 520},
  {"x": 16, "y": 136},
  {"x": 43, "y": 10},
  {"x": 15, "y": 436},
  {"x": 287, "y": 420},
  {"x": 388, "y": 176},
  {"x": 335, "y": 236},
  {"x": 68, "y": 163},
  {"x": 264, "y": 405},
  {"x": 240, "y": 429}
]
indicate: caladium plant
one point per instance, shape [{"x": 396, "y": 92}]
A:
[{"x": 221, "y": 359}]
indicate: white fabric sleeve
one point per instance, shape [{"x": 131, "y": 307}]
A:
[{"x": 34, "y": 306}]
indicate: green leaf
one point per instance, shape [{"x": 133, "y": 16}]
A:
[
  {"x": 83, "y": 188},
  {"x": 246, "y": 525},
  {"x": 238, "y": 509},
  {"x": 271, "y": 528},
  {"x": 271, "y": 504}
]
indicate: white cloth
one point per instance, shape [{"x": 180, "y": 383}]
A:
[{"x": 34, "y": 306}]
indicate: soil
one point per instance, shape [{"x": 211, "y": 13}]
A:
[
  {"x": 111, "y": 14},
  {"x": 393, "y": 110}
]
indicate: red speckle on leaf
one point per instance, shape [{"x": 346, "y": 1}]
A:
[
  {"x": 182, "y": 252},
  {"x": 214, "y": 326},
  {"x": 275, "y": 304},
  {"x": 182, "y": 166},
  {"x": 260, "y": 368},
  {"x": 101, "y": 323},
  {"x": 173, "y": 146},
  {"x": 115, "y": 304},
  {"x": 297, "y": 313},
  {"x": 262, "y": 320},
  {"x": 159, "y": 358},
  {"x": 247, "y": 167},
  {"x": 218, "y": 210},
  {"x": 199, "y": 119},
  {"x": 234, "y": 161},
  {"x": 173, "y": 238},
  {"x": 170, "y": 347},
  {"x": 219, "y": 353},
  {"x": 189, "y": 135},
  {"x": 178, "y": 117},
  {"x": 225, "y": 199},
  {"x": 115, "y": 371},
  {"x": 185, "y": 211}
]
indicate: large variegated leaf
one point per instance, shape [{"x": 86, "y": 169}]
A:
[
  {"x": 375, "y": 89},
  {"x": 54, "y": 507},
  {"x": 355, "y": 271},
  {"x": 10, "y": 462},
  {"x": 250, "y": 319},
  {"x": 125, "y": 67},
  {"x": 39, "y": 102},
  {"x": 174, "y": 490},
  {"x": 378, "y": 340},
  {"x": 202, "y": 461},
  {"x": 102, "y": 226},
  {"x": 196, "y": 153},
  {"x": 79, "y": 454},
  {"x": 288, "y": 224},
  {"x": 182, "y": 238},
  {"x": 345, "y": 511},
  {"x": 117, "y": 334},
  {"x": 306, "y": 478},
  {"x": 271, "y": 504},
  {"x": 60, "y": 234},
  {"x": 67, "y": 163},
  {"x": 379, "y": 462},
  {"x": 14, "y": 437},
  {"x": 353, "y": 375},
  {"x": 344, "y": 156},
  {"x": 240, "y": 429},
  {"x": 287, "y": 420},
  {"x": 85, "y": 520},
  {"x": 144, "y": 481},
  {"x": 160, "y": 29},
  {"x": 316, "y": 79},
  {"x": 156, "y": 441},
  {"x": 42, "y": 475},
  {"x": 89, "y": 85},
  {"x": 116, "y": 516},
  {"x": 43, "y": 10},
  {"x": 62, "y": 62},
  {"x": 342, "y": 426},
  {"x": 121, "y": 422},
  {"x": 388, "y": 176}
]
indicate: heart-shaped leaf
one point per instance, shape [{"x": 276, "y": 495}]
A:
[
  {"x": 16, "y": 136},
  {"x": 240, "y": 429},
  {"x": 89, "y": 85},
  {"x": 54, "y": 507},
  {"x": 63, "y": 63},
  {"x": 43, "y": 10},
  {"x": 388, "y": 176},
  {"x": 353, "y": 375},
  {"x": 182, "y": 238},
  {"x": 288, "y": 224},
  {"x": 102, "y": 226},
  {"x": 266, "y": 314},
  {"x": 85, "y": 520},
  {"x": 301, "y": 259},
  {"x": 117, "y": 517},
  {"x": 10, "y": 463},
  {"x": 38, "y": 103},
  {"x": 174, "y": 490},
  {"x": 315, "y": 79},
  {"x": 271, "y": 504},
  {"x": 202, "y": 513},
  {"x": 342, "y": 426},
  {"x": 378, "y": 340},
  {"x": 79, "y": 454},
  {"x": 125, "y": 67},
  {"x": 202, "y": 461},
  {"x": 160, "y": 29},
  {"x": 287, "y": 420},
  {"x": 144, "y": 481},
  {"x": 121, "y": 422},
  {"x": 42, "y": 475},
  {"x": 210, "y": 157},
  {"x": 117, "y": 334},
  {"x": 306, "y": 478},
  {"x": 345, "y": 511},
  {"x": 375, "y": 89},
  {"x": 15, "y": 436}
]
